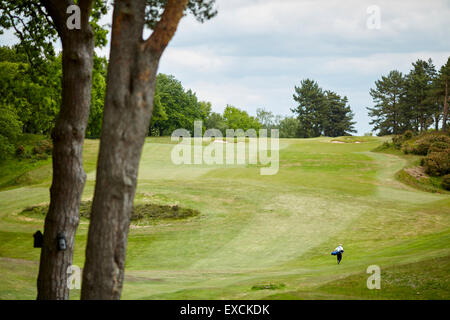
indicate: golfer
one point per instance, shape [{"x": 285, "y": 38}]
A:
[{"x": 338, "y": 253}]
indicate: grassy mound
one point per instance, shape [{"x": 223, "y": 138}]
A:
[{"x": 141, "y": 212}]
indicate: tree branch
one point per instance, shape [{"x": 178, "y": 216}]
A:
[
  {"x": 166, "y": 26},
  {"x": 57, "y": 10},
  {"x": 20, "y": 35},
  {"x": 47, "y": 16}
]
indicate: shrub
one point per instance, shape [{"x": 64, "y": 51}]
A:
[
  {"x": 427, "y": 144},
  {"x": 408, "y": 148},
  {"x": 437, "y": 163},
  {"x": 421, "y": 147},
  {"x": 20, "y": 151},
  {"x": 43, "y": 147},
  {"x": 10, "y": 130},
  {"x": 446, "y": 182},
  {"x": 6, "y": 149},
  {"x": 41, "y": 156},
  {"x": 397, "y": 141},
  {"x": 438, "y": 146},
  {"x": 408, "y": 135}
]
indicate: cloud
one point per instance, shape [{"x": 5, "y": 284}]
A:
[{"x": 255, "y": 51}]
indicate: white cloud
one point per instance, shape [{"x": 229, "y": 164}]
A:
[{"x": 255, "y": 51}]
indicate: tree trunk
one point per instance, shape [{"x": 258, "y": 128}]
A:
[
  {"x": 436, "y": 121},
  {"x": 129, "y": 102},
  {"x": 68, "y": 174},
  {"x": 444, "y": 120}
]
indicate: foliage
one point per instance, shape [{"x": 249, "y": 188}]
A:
[
  {"x": 10, "y": 129},
  {"x": 43, "y": 147},
  {"x": 239, "y": 119},
  {"x": 94, "y": 126},
  {"x": 202, "y": 10},
  {"x": 388, "y": 96},
  {"x": 423, "y": 144},
  {"x": 215, "y": 121},
  {"x": 35, "y": 98},
  {"x": 289, "y": 127},
  {"x": 437, "y": 163},
  {"x": 265, "y": 118},
  {"x": 446, "y": 182},
  {"x": 435, "y": 146},
  {"x": 321, "y": 112},
  {"x": 414, "y": 101},
  {"x": 175, "y": 107}
]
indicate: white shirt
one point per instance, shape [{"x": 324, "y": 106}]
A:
[{"x": 339, "y": 249}]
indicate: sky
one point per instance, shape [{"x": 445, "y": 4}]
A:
[{"x": 254, "y": 52}]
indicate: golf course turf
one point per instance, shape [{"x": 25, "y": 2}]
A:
[{"x": 259, "y": 237}]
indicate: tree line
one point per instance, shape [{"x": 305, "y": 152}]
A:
[
  {"x": 415, "y": 101},
  {"x": 318, "y": 112},
  {"x": 30, "y": 96}
]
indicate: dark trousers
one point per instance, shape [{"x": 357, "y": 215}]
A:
[{"x": 339, "y": 257}]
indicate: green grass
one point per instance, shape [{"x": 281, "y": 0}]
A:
[{"x": 261, "y": 237}]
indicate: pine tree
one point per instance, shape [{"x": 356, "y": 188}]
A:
[
  {"x": 311, "y": 108},
  {"x": 389, "y": 111},
  {"x": 443, "y": 93},
  {"x": 321, "y": 112},
  {"x": 339, "y": 121},
  {"x": 418, "y": 87}
]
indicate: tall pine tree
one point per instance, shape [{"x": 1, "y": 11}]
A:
[
  {"x": 418, "y": 86},
  {"x": 389, "y": 111}
]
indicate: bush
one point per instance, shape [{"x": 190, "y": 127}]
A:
[
  {"x": 20, "y": 151},
  {"x": 6, "y": 148},
  {"x": 10, "y": 130},
  {"x": 408, "y": 148},
  {"x": 437, "y": 163},
  {"x": 438, "y": 146},
  {"x": 41, "y": 156},
  {"x": 43, "y": 147},
  {"x": 397, "y": 141},
  {"x": 427, "y": 144},
  {"x": 446, "y": 182},
  {"x": 408, "y": 135},
  {"x": 420, "y": 148}
]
